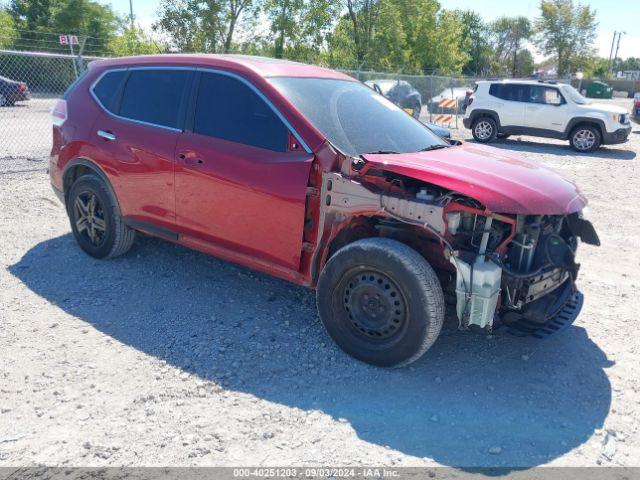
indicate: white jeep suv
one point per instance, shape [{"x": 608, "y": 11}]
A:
[{"x": 498, "y": 109}]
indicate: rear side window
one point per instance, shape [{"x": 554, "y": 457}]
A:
[
  {"x": 108, "y": 87},
  {"x": 510, "y": 92},
  {"x": 154, "y": 96},
  {"x": 229, "y": 109}
]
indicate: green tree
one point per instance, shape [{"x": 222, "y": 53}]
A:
[
  {"x": 566, "y": 32},
  {"x": 133, "y": 41},
  {"x": 7, "y": 30},
  {"x": 75, "y": 17},
  {"x": 299, "y": 28},
  {"x": 509, "y": 35},
  {"x": 363, "y": 15},
  {"x": 476, "y": 40},
  {"x": 208, "y": 26}
]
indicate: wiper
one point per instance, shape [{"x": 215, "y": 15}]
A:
[
  {"x": 381, "y": 152},
  {"x": 434, "y": 147}
]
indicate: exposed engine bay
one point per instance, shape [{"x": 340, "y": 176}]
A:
[{"x": 502, "y": 267}]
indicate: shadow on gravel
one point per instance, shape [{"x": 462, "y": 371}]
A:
[
  {"x": 535, "y": 400},
  {"x": 606, "y": 152}
]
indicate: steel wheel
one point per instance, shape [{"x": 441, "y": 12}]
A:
[
  {"x": 584, "y": 139},
  {"x": 89, "y": 218},
  {"x": 375, "y": 305},
  {"x": 483, "y": 130}
]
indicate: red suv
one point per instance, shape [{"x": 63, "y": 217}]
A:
[{"x": 306, "y": 174}]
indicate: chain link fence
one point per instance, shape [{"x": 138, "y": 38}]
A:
[{"x": 30, "y": 83}]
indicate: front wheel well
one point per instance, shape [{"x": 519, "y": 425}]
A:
[{"x": 586, "y": 123}]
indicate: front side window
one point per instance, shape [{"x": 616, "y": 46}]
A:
[
  {"x": 545, "y": 95},
  {"x": 229, "y": 109},
  {"x": 154, "y": 96},
  {"x": 354, "y": 118},
  {"x": 107, "y": 88}
]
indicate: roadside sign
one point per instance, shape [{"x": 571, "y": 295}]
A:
[{"x": 68, "y": 39}]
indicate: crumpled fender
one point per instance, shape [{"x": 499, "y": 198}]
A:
[{"x": 502, "y": 183}]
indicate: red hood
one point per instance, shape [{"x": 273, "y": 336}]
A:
[{"x": 502, "y": 183}]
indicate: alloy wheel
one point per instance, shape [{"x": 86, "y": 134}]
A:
[
  {"x": 483, "y": 130},
  {"x": 89, "y": 218},
  {"x": 584, "y": 139}
]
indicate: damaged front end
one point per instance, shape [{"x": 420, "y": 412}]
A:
[
  {"x": 516, "y": 268},
  {"x": 500, "y": 268}
]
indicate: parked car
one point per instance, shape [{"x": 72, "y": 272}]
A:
[
  {"x": 458, "y": 93},
  {"x": 415, "y": 111},
  {"x": 306, "y": 174},
  {"x": 12, "y": 91},
  {"x": 399, "y": 92},
  {"x": 543, "y": 109},
  {"x": 636, "y": 106}
]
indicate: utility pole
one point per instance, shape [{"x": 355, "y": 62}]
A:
[
  {"x": 611, "y": 52},
  {"x": 618, "y": 46},
  {"x": 131, "y": 13}
]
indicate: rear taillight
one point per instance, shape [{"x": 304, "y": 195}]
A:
[
  {"x": 22, "y": 87},
  {"x": 470, "y": 101},
  {"x": 636, "y": 102},
  {"x": 59, "y": 112}
]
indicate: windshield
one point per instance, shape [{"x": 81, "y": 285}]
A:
[
  {"x": 354, "y": 118},
  {"x": 575, "y": 95}
]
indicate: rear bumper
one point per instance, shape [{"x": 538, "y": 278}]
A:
[
  {"x": 466, "y": 122},
  {"x": 619, "y": 136}
]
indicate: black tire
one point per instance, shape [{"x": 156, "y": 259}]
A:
[
  {"x": 484, "y": 130},
  {"x": 503, "y": 136},
  {"x": 110, "y": 237},
  {"x": 380, "y": 276},
  {"x": 585, "y": 138},
  {"x": 416, "y": 108}
]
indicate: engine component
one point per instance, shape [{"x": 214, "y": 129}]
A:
[{"x": 477, "y": 290}]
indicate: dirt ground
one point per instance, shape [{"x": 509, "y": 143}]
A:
[{"x": 169, "y": 357}]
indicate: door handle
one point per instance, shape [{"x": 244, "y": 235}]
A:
[{"x": 106, "y": 135}]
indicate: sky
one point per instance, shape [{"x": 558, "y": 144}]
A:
[{"x": 612, "y": 15}]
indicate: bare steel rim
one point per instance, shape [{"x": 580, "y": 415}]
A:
[
  {"x": 375, "y": 306},
  {"x": 89, "y": 218},
  {"x": 483, "y": 130},
  {"x": 584, "y": 139}
]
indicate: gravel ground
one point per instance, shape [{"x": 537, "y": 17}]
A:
[{"x": 169, "y": 357}]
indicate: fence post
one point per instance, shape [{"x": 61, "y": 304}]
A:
[{"x": 80, "y": 51}]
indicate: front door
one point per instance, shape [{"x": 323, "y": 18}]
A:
[
  {"x": 546, "y": 109},
  {"x": 240, "y": 182}
]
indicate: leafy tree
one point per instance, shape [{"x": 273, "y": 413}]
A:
[
  {"x": 208, "y": 25},
  {"x": 299, "y": 28},
  {"x": 509, "y": 35},
  {"x": 7, "y": 30},
  {"x": 76, "y": 17},
  {"x": 566, "y": 32},
  {"x": 476, "y": 40},
  {"x": 524, "y": 63},
  {"x": 133, "y": 41},
  {"x": 363, "y": 15}
]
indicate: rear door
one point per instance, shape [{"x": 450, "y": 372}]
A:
[
  {"x": 511, "y": 102},
  {"x": 241, "y": 176},
  {"x": 546, "y": 109},
  {"x": 136, "y": 134}
]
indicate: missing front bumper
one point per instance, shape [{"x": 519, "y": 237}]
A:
[{"x": 557, "y": 316}]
